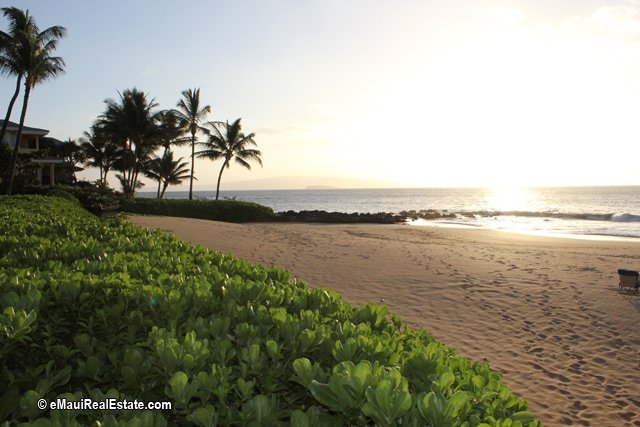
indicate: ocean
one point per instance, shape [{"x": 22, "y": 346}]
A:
[{"x": 580, "y": 212}]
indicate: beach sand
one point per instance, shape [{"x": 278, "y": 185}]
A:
[{"x": 545, "y": 312}]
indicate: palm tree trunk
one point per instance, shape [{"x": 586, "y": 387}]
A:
[
  {"x": 166, "y": 184},
  {"x": 219, "y": 177},
  {"x": 125, "y": 165},
  {"x": 13, "y": 101},
  {"x": 14, "y": 157},
  {"x": 159, "y": 180},
  {"x": 132, "y": 170},
  {"x": 134, "y": 181},
  {"x": 193, "y": 148}
]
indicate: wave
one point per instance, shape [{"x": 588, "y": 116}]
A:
[
  {"x": 617, "y": 217},
  {"x": 465, "y": 215},
  {"x": 625, "y": 217}
]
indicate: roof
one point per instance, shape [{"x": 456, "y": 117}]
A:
[
  {"x": 26, "y": 130},
  {"x": 48, "y": 160},
  {"x": 53, "y": 141}
]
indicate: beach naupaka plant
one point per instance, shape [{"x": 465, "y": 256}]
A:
[{"x": 227, "y": 142}]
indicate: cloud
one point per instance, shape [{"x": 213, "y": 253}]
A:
[
  {"x": 507, "y": 15},
  {"x": 325, "y": 110},
  {"x": 622, "y": 20},
  {"x": 281, "y": 130},
  {"x": 618, "y": 19}
]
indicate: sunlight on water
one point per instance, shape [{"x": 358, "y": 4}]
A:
[
  {"x": 507, "y": 209},
  {"x": 510, "y": 199}
]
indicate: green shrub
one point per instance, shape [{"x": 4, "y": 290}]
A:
[
  {"x": 96, "y": 198},
  {"x": 216, "y": 210},
  {"x": 98, "y": 309}
]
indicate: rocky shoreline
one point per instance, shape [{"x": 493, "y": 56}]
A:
[{"x": 321, "y": 216}]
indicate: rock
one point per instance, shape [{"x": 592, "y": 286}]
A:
[
  {"x": 427, "y": 214},
  {"x": 319, "y": 216}
]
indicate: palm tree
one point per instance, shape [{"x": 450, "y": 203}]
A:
[
  {"x": 131, "y": 122},
  {"x": 229, "y": 145},
  {"x": 152, "y": 170},
  {"x": 189, "y": 110},
  {"x": 35, "y": 49},
  {"x": 173, "y": 172},
  {"x": 99, "y": 152},
  {"x": 73, "y": 156},
  {"x": 167, "y": 171},
  {"x": 12, "y": 53},
  {"x": 69, "y": 151},
  {"x": 171, "y": 129}
]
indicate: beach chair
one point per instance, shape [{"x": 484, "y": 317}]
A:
[{"x": 629, "y": 280}]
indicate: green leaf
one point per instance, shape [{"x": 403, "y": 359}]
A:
[
  {"x": 272, "y": 349},
  {"x": 325, "y": 395},
  {"x": 260, "y": 411},
  {"x": 445, "y": 382},
  {"x": 180, "y": 389},
  {"x": 29, "y": 404},
  {"x": 299, "y": 419},
  {"x": 305, "y": 372},
  {"x": 478, "y": 382},
  {"x": 245, "y": 388},
  {"x": 204, "y": 416},
  {"x": 523, "y": 416},
  {"x": 9, "y": 402},
  {"x": 387, "y": 402},
  {"x": 455, "y": 404}
]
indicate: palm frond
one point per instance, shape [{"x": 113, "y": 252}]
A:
[
  {"x": 211, "y": 154},
  {"x": 19, "y": 20},
  {"x": 242, "y": 163},
  {"x": 189, "y": 106},
  {"x": 250, "y": 154},
  {"x": 52, "y": 34}
]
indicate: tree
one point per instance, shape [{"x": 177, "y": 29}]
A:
[
  {"x": 167, "y": 171},
  {"x": 171, "y": 128},
  {"x": 32, "y": 58},
  {"x": 229, "y": 143},
  {"x": 73, "y": 155},
  {"x": 99, "y": 152},
  {"x": 69, "y": 151},
  {"x": 132, "y": 122},
  {"x": 11, "y": 63},
  {"x": 189, "y": 110},
  {"x": 152, "y": 170},
  {"x": 12, "y": 53}
]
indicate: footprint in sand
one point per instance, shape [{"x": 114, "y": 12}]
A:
[{"x": 575, "y": 368}]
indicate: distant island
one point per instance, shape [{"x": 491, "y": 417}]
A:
[{"x": 321, "y": 187}]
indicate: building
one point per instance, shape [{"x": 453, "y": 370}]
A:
[{"x": 31, "y": 142}]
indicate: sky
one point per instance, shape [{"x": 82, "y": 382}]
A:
[{"x": 464, "y": 93}]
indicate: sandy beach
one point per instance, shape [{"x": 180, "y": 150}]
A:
[{"x": 545, "y": 312}]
